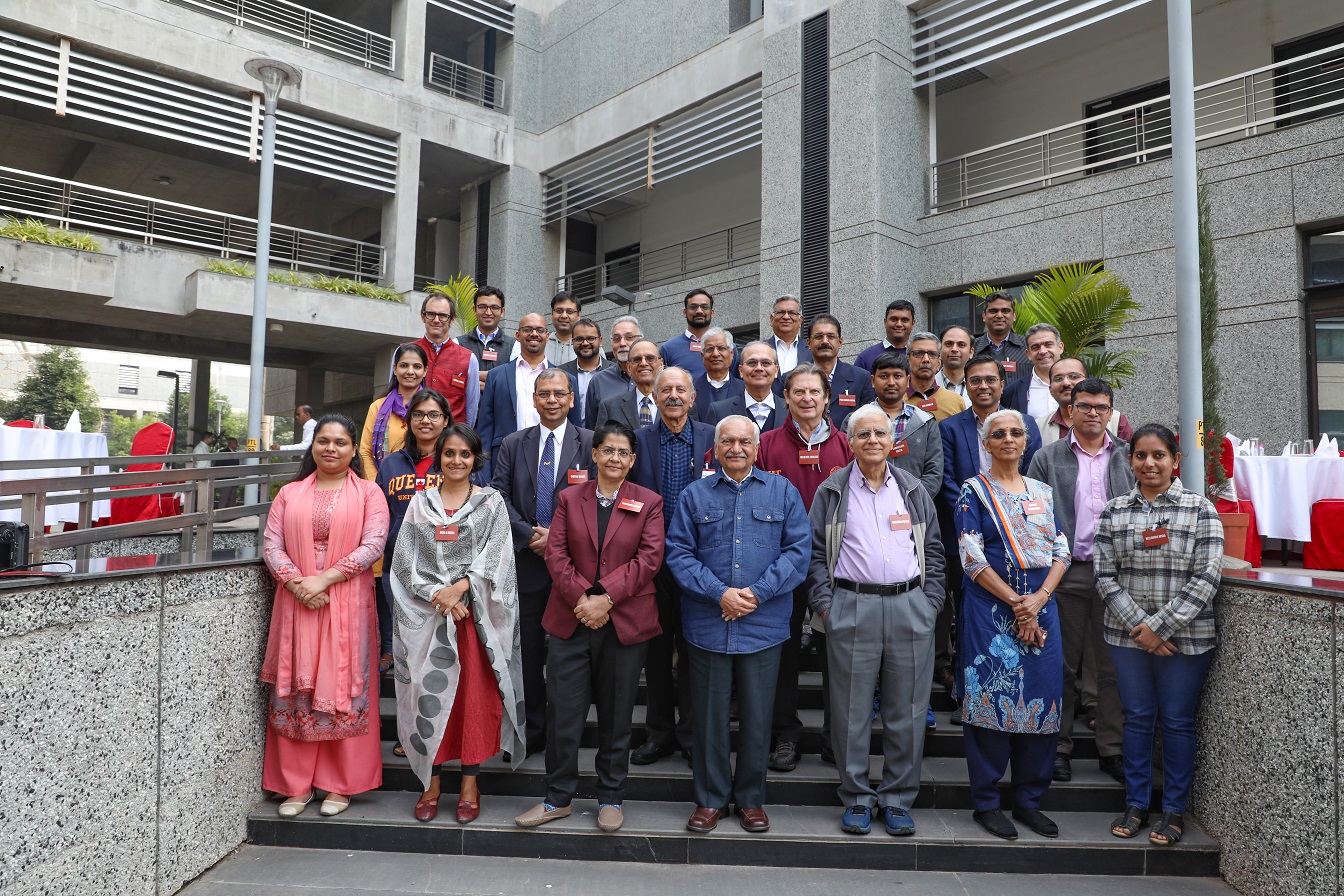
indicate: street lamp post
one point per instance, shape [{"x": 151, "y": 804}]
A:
[
  {"x": 177, "y": 389},
  {"x": 219, "y": 417},
  {"x": 273, "y": 75}
]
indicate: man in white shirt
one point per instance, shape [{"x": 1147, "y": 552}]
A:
[
  {"x": 1031, "y": 394},
  {"x": 303, "y": 416},
  {"x": 203, "y": 448},
  {"x": 786, "y": 325}
]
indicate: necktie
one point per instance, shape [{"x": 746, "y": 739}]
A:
[
  {"x": 546, "y": 483},
  {"x": 645, "y": 412}
]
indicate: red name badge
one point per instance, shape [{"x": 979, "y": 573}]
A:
[
  {"x": 1031, "y": 508},
  {"x": 899, "y": 449},
  {"x": 697, "y": 348},
  {"x": 809, "y": 458},
  {"x": 900, "y": 522},
  {"x": 631, "y": 505},
  {"x": 460, "y": 381},
  {"x": 1155, "y": 538},
  {"x": 489, "y": 354},
  {"x": 847, "y": 400},
  {"x": 445, "y": 533},
  {"x": 928, "y": 404},
  {"x": 1010, "y": 366},
  {"x": 577, "y": 476},
  {"x": 707, "y": 471}
]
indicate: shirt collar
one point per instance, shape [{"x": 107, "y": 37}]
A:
[
  {"x": 523, "y": 365},
  {"x": 768, "y": 401},
  {"x": 754, "y": 474},
  {"x": 691, "y": 337},
  {"x": 718, "y": 384},
  {"x": 559, "y": 434},
  {"x": 1078, "y": 448},
  {"x": 858, "y": 480},
  {"x": 487, "y": 338},
  {"x": 666, "y": 435},
  {"x": 774, "y": 337}
]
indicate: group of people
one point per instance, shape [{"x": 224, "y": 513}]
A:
[{"x": 524, "y": 526}]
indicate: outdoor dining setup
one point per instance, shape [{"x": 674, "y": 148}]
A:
[{"x": 1296, "y": 495}]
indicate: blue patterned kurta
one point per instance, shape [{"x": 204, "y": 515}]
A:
[{"x": 1005, "y": 685}]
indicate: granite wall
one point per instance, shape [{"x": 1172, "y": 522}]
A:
[
  {"x": 131, "y": 728},
  {"x": 1267, "y": 783}
]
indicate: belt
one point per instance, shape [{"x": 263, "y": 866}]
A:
[{"x": 884, "y": 590}]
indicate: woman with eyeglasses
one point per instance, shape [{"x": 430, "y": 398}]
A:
[
  {"x": 1013, "y": 556},
  {"x": 459, "y": 668},
  {"x": 1159, "y": 553},
  {"x": 605, "y": 545}
]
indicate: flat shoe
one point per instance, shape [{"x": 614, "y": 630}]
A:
[
  {"x": 704, "y": 820},
  {"x": 1037, "y": 821},
  {"x": 294, "y": 805},
  {"x": 467, "y": 811},
  {"x": 996, "y": 823},
  {"x": 610, "y": 818},
  {"x": 539, "y": 815},
  {"x": 334, "y": 804},
  {"x": 427, "y": 808}
]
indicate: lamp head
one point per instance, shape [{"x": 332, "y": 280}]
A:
[{"x": 273, "y": 75}]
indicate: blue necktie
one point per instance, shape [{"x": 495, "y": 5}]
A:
[{"x": 546, "y": 483}]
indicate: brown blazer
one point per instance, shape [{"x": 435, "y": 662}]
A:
[{"x": 631, "y": 553}]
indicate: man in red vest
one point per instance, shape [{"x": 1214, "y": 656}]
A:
[{"x": 452, "y": 368}]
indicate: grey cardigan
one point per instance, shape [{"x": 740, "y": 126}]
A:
[
  {"x": 828, "y": 514},
  {"x": 1057, "y": 466},
  {"x": 924, "y": 460}
]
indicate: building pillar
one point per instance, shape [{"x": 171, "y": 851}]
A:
[
  {"x": 524, "y": 256},
  {"x": 781, "y": 162},
  {"x": 310, "y": 387},
  {"x": 400, "y": 214},
  {"x": 199, "y": 416}
]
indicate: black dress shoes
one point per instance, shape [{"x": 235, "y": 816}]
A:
[
  {"x": 784, "y": 758},
  {"x": 650, "y": 751},
  {"x": 1063, "y": 771},
  {"x": 1037, "y": 821},
  {"x": 1113, "y": 766}
]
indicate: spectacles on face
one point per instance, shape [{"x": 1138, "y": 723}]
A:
[
  {"x": 609, "y": 452},
  {"x": 1085, "y": 409},
  {"x": 923, "y": 353},
  {"x": 786, "y": 314},
  {"x": 864, "y": 435},
  {"x": 755, "y": 363},
  {"x": 698, "y": 308},
  {"x": 1014, "y": 432},
  {"x": 532, "y": 331},
  {"x": 431, "y": 416},
  {"x": 982, "y": 380},
  {"x": 493, "y": 309},
  {"x": 547, "y": 396},
  {"x": 1067, "y": 378},
  {"x": 708, "y": 349},
  {"x": 586, "y": 340},
  {"x": 437, "y": 315}
]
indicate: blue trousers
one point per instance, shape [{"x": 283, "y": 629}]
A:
[
  {"x": 988, "y": 755},
  {"x": 713, "y": 676},
  {"x": 1159, "y": 690}
]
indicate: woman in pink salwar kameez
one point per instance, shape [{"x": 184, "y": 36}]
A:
[{"x": 326, "y": 528}]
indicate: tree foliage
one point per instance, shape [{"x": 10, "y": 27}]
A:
[
  {"x": 57, "y": 387},
  {"x": 1214, "y": 428}
]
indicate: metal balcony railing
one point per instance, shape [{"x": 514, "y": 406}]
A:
[
  {"x": 75, "y": 206},
  {"x": 705, "y": 254},
  {"x": 460, "y": 80},
  {"x": 1285, "y": 93},
  {"x": 309, "y": 29}
]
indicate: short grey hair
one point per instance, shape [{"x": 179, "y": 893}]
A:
[
  {"x": 628, "y": 319},
  {"x": 755, "y": 433},
  {"x": 787, "y": 297},
  {"x": 923, "y": 334},
  {"x": 763, "y": 344},
  {"x": 1042, "y": 328},
  {"x": 551, "y": 373},
  {"x": 988, "y": 425},
  {"x": 864, "y": 413},
  {"x": 714, "y": 333},
  {"x": 690, "y": 380}
]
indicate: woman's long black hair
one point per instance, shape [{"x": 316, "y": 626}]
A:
[{"x": 308, "y": 466}]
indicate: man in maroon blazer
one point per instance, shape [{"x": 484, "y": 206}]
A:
[{"x": 605, "y": 545}]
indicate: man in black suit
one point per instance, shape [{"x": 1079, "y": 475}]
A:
[
  {"x": 758, "y": 401},
  {"x": 531, "y": 466},
  {"x": 786, "y": 338},
  {"x": 588, "y": 361},
  {"x": 669, "y": 455},
  {"x": 636, "y": 408},
  {"x": 615, "y": 380},
  {"x": 1030, "y": 395},
  {"x": 718, "y": 381},
  {"x": 851, "y": 387}
]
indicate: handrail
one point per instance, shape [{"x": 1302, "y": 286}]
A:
[
  {"x": 715, "y": 251},
  {"x": 70, "y": 205},
  {"x": 460, "y": 80},
  {"x": 1243, "y": 104},
  {"x": 306, "y": 27}
]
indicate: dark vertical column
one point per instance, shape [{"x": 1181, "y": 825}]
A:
[
  {"x": 816, "y": 175},
  {"x": 483, "y": 233}
]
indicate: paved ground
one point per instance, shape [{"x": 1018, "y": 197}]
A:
[{"x": 268, "y": 871}]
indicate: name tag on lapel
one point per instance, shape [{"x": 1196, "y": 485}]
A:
[
  {"x": 847, "y": 399},
  {"x": 900, "y": 449},
  {"x": 489, "y": 354},
  {"x": 631, "y": 505}
]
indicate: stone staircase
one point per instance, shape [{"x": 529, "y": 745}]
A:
[{"x": 802, "y": 805}]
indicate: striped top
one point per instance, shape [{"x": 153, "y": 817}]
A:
[{"x": 1170, "y": 586}]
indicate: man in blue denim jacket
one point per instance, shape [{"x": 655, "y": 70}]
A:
[{"x": 738, "y": 545}]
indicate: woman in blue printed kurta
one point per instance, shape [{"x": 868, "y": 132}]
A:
[{"x": 1012, "y": 673}]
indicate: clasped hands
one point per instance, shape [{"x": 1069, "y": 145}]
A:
[
  {"x": 311, "y": 591},
  {"x": 448, "y": 600},
  {"x": 737, "y": 602},
  {"x": 593, "y": 610},
  {"x": 1025, "y": 627},
  {"x": 1146, "y": 638}
]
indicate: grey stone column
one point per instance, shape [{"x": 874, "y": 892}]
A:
[
  {"x": 400, "y": 214},
  {"x": 781, "y": 163},
  {"x": 199, "y": 418},
  {"x": 524, "y": 256}
]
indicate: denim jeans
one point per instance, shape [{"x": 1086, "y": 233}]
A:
[{"x": 1159, "y": 690}]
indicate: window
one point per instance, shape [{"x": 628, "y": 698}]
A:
[
  {"x": 744, "y": 12},
  {"x": 1118, "y": 139},
  {"x": 128, "y": 380},
  {"x": 1324, "y": 284},
  {"x": 1312, "y": 82},
  {"x": 966, "y": 311},
  {"x": 1325, "y": 259}
]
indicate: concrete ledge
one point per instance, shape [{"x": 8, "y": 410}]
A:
[{"x": 39, "y": 266}]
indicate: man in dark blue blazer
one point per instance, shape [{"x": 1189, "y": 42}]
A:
[
  {"x": 786, "y": 335},
  {"x": 1030, "y": 395},
  {"x": 719, "y": 381},
  {"x": 669, "y": 455},
  {"x": 851, "y": 388},
  {"x": 759, "y": 370},
  {"x": 614, "y": 380}
]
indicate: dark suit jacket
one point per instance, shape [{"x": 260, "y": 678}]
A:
[
  {"x": 738, "y": 405},
  {"x": 961, "y": 453},
  {"x": 853, "y": 380},
  {"x": 581, "y": 398},
  {"x": 1016, "y": 395},
  {"x": 610, "y": 382},
  {"x": 498, "y": 414},
  {"x": 648, "y": 468},
  {"x": 515, "y": 477},
  {"x": 631, "y": 553},
  {"x": 623, "y": 409},
  {"x": 706, "y": 395},
  {"x": 804, "y": 353}
]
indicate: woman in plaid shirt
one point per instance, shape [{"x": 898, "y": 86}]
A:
[{"x": 1159, "y": 556}]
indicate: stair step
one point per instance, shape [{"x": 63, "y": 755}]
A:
[{"x": 800, "y": 837}]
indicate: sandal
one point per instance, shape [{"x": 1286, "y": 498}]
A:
[
  {"x": 398, "y": 750},
  {"x": 1169, "y": 830},
  {"x": 385, "y": 664},
  {"x": 1127, "y": 826}
]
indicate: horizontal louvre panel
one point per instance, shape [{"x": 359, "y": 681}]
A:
[
  {"x": 28, "y": 70},
  {"x": 492, "y": 14},
  {"x": 957, "y": 35}
]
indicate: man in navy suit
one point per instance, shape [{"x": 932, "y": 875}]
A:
[
  {"x": 1030, "y": 395},
  {"x": 786, "y": 327},
  {"x": 636, "y": 408},
  {"x": 507, "y": 404},
  {"x": 851, "y": 388},
  {"x": 758, "y": 401},
  {"x": 718, "y": 381},
  {"x": 532, "y": 466},
  {"x": 669, "y": 455},
  {"x": 614, "y": 380}
]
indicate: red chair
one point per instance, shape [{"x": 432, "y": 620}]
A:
[
  {"x": 23, "y": 424},
  {"x": 155, "y": 439},
  {"x": 1252, "y": 553},
  {"x": 1326, "y": 548}
]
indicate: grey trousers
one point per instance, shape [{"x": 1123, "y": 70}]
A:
[
  {"x": 1081, "y": 614},
  {"x": 872, "y": 640}
]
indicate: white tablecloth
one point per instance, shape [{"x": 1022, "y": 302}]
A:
[
  {"x": 17, "y": 443},
  {"x": 1282, "y": 489}
]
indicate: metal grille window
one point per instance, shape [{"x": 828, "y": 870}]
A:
[
  {"x": 1126, "y": 127},
  {"x": 1305, "y": 89},
  {"x": 128, "y": 380},
  {"x": 816, "y": 179}
]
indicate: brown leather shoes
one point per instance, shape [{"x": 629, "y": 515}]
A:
[
  {"x": 427, "y": 808},
  {"x": 704, "y": 820},
  {"x": 468, "y": 811},
  {"x": 753, "y": 820}
]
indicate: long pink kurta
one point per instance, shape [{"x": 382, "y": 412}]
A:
[{"x": 309, "y": 743}]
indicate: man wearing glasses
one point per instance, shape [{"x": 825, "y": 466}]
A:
[
  {"x": 1056, "y": 423},
  {"x": 491, "y": 345},
  {"x": 687, "y": 350},
  {"x": 615, "y": 380},
  {"x": 786, "y": 325},
  {"x": 718, "y": 382},
  {"x": 999, "y": 341},
  {"x": 758, "y": 401},
  {"x": 451, "y": 366},
  {"x": 588, "y": 361},
  {"x": 636, "y": 408},
  {"x": 1086, "y": 468},
  {"x": 1030, "y": 395},
  {"x": 898, "y": 322},
  {"x": 925, "y": 360},
  {"x": 560, "y": 347}
]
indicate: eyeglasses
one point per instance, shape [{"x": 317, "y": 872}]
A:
[
  {"x": 699, "y": 308},
  {"x": 1014, "y": 432},
  {"x": 786, "y": 313},
  {"x": 491, "y": 308},
  {"x": 532, "y": 331},
  {"x": 585, "y": 340},
  {"x": 707, "y": 349},
  {"x": 431, "y": 416},
  {"x": 437, "y": 315},
  {"x": 643, "y": 359},
  {"x": 547, "y": 396},
  {"x": 982, "y": 381},
  {"x": 864, "y": 435},
  {"x": 922, "y": 353},
  {"x": 609, "y": 452},
  {"x": 1084, "y": 408},
  {"x": 1067, "y": 378},
  {"x": 758, "y": 362}
]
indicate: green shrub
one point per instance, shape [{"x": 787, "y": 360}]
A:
[
  {"x": 30, "y": 230},
  {"x": 343, "y": 285}
]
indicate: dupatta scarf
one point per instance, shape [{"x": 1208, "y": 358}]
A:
[{"x": 1022, "y": 544}]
